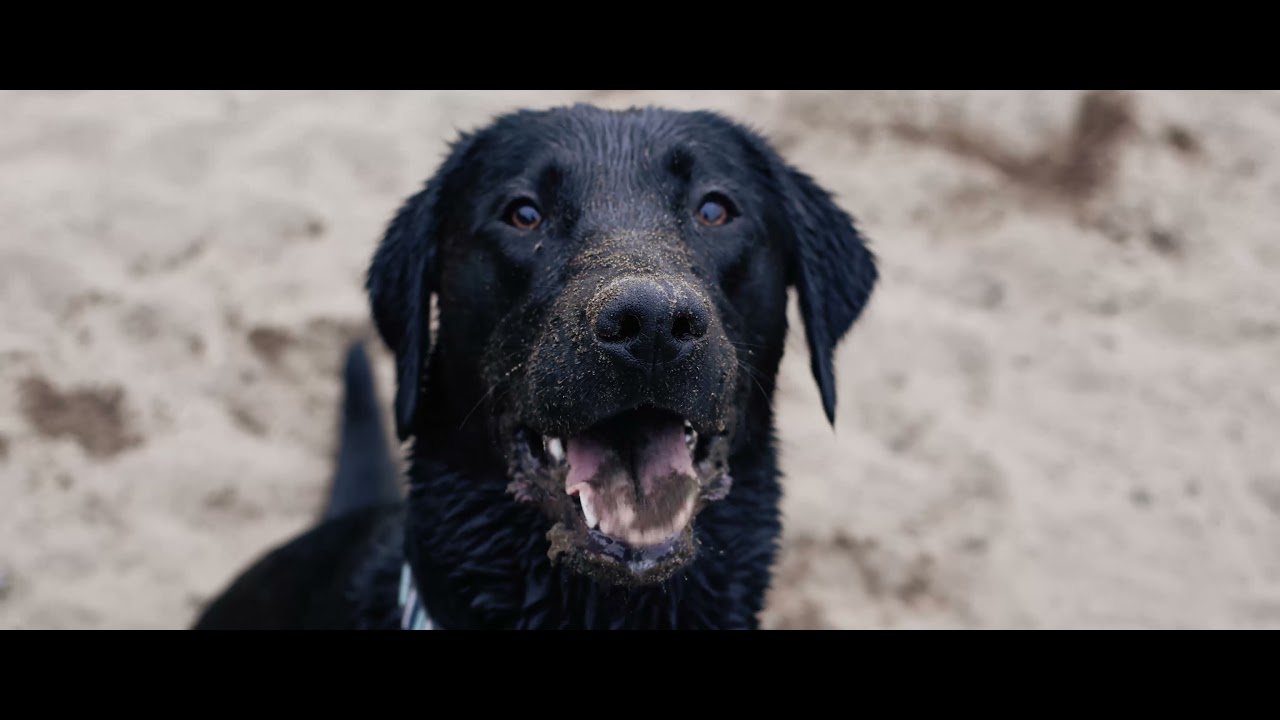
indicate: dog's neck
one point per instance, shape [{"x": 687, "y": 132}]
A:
[{"x": 480, "y": 561}]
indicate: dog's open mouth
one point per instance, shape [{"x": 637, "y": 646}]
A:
[{"x": 623, "y": 492}]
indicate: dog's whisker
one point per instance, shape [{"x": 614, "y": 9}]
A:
[
  {"x": 751, "y": 373},
  {"x": 491, "y": 390},
  {"x": 477, "y": 406}
]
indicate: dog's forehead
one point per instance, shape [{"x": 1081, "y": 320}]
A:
[{"x": 612, "y": 147}]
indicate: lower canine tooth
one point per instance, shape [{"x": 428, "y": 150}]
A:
[
  {"x": 555, "y": 449},
  {"x": 589, "y": 512}
]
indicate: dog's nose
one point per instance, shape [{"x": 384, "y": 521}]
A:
[{"x": 645, "y": 322}]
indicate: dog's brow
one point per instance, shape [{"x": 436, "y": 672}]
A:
[
  {"x": 680, "y": 161},
  {"x": 549, "y": 180}
]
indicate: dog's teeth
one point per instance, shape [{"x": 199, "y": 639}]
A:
[
  {"x": 555, "y": 449},
  {"x": 588, "y": 512}
]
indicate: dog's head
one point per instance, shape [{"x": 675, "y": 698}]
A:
[{"x": 611, "y": 290}]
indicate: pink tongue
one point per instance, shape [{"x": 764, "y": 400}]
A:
[
  {"x": 659, "y": 452},
  {"x": 585, "y": 456}
]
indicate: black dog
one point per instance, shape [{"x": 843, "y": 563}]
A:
[{"x": 593, "y": 433}]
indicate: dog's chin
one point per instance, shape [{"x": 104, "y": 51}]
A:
[{"x": 623, "y": 495}]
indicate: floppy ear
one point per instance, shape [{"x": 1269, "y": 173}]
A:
[
  {"x": 400, "y": 282},
  {"x": 832, "y": 270}
]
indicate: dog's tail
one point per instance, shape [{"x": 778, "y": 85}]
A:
[{"x": 366, "y": 474}]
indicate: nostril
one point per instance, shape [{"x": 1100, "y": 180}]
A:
[
  {"x": 619, "y": 327},
  {"x": 688, "y": 325},
  {"x": 628, "y": 327},
  {"x": 682, "y": 328}
]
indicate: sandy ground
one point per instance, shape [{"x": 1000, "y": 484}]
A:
[{"x": 1060, "y": 411}]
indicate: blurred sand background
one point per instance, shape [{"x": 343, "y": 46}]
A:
[{"x": 1061, "y": 409}]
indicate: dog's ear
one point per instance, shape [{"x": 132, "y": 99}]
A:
[
  {"x": 830, "y": 266},
  {"x": 400, "y": 282}
]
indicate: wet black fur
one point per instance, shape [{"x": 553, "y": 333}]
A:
[{"x": 480, "y": 558}]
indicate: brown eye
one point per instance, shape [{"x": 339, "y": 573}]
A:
[
  {"x": 525, "y": 216},
  {"x": 713, "y": 211}
]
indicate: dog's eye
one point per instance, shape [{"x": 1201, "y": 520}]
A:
[
  {"x": 524, "y": 215},
  {"x": 714, "y": 210}
]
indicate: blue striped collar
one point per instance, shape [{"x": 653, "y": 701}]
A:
[{"x": 413, "y": 616}]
